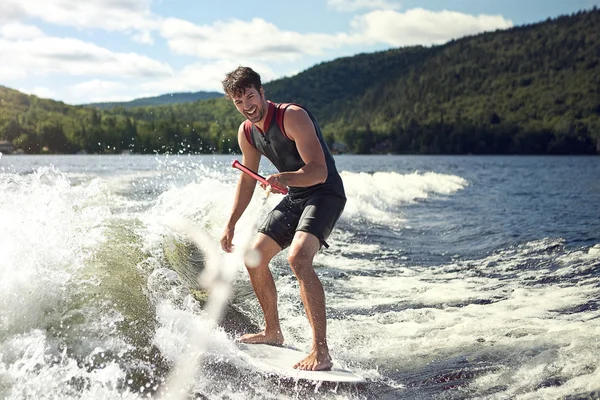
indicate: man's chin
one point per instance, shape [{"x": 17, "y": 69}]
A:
[{"x": 254, "y": 119}]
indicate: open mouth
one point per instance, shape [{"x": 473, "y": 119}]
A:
[{"x": 252, "y": 111}]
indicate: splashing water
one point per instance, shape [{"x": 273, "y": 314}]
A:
[
  {"x": 217, "y": 278},
  {"x": 474, "y": 280}
]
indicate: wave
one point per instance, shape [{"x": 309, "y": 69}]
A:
[{"x": 378, "y": 197}]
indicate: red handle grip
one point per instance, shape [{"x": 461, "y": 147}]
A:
[{"x": 260, "y": 178}]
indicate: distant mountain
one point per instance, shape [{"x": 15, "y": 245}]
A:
[{"x": 162, "y": 100}]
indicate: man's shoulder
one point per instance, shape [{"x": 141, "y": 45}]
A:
[
  {"x": 288, "y": 106},
  {"x": 246, "y": 129},
  {"x": 290, "y": 110},
  {"x": 245, "y": 126}
]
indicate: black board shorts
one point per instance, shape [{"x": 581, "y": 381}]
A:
[{"x": 316, "y": 214}]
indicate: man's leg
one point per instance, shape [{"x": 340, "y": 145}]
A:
[
  {"x": 264, "y": 287},
  {"x": 303, "y": 249}
]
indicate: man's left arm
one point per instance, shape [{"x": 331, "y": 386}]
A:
[{"x": 300, "y": 128}]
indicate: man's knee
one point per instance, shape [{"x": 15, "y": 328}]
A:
[
  {"x": 261, "y": 252},
  {"x": 254, "y": 259},
  {"x": 299, "y": 260},
  {"x": 302, "y": 252}
]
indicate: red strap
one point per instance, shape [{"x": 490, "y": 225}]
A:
[
  {"x": 279, "y": 113},
  {"x": 248, "y": 131}
]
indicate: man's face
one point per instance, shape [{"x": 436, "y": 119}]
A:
[{"x": 251, "y": 104}]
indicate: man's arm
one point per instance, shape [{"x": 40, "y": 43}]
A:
[
  {"x": 244, "y": 190},
  {"x": 300, "y": 128}
]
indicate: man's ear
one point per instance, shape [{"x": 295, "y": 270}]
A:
[{"x": 262, "y": 92}]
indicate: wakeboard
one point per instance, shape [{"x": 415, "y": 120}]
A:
[{"x": 279, "y": 360}]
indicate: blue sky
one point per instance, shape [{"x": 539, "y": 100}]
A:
[{"x": 113, "y": 50}]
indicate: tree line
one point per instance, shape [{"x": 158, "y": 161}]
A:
[{"x": 45, "y": 126}]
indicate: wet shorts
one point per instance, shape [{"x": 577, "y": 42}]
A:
[{"x": 316, "y": 215}]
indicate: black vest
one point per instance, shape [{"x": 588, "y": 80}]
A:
[{"x": 283, "y": 153}]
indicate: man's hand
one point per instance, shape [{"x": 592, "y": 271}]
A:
[
  {"x": 275, "y": 181},
  {"x": 226, "y": 239}
]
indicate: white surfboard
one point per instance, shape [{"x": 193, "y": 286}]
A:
[{"x": 280, "y": 361}]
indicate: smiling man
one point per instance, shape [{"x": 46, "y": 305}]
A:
[{"x": 291, "y": 139}]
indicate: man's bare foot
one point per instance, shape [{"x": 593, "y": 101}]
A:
[
  {"x": 316, "y": 361},
  {"x": 274, "y": 339}
]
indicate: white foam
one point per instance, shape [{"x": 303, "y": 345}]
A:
[
  {"x": 377, "y": 197},
  {"x": 177, "y": 325},
  {"x": 29, "y": 368},
  {"x": 487, "y": 308},
  {"x": 199, "y": 212},
  {"x": 61, "y": 224},
  {"x": 49, "y": 231}
]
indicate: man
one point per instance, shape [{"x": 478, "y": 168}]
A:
[{"x": 290, "y": 138}]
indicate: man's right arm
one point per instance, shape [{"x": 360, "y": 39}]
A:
[{"x": 244, "y": 190}]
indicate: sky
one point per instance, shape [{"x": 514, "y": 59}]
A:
[{"x": 117, "y": 50}]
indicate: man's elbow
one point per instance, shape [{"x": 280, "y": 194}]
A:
[
  {"x": 322, "y": 173},
  {"x": 247, "y": 182}
]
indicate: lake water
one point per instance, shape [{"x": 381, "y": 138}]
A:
[{"x": 447, "y": 277}]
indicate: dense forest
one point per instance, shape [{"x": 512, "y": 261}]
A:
[{"x": 532, "y": 89}]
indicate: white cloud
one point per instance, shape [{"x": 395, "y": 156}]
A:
[
  {"x": 17, "y": 30},
  {"x": 98, "y": 90},
  {"x": 195, "y": 77},
  {"x": 419, "y": 26},
  {"x": 66, "y": 56},
  {"x": 260, "y": 40},
  {"x": 111, "y": 15},
  {"x": 256, "y": 39},
  {"x": 8, "y": 73},
  {"x": 40, "y": 91},
  {"x": 97, "y": 85},
  {"x": 355, "y": 5},
  {"x": 204, "y": 76},
  {"x": 144, "y": 37},
  {"x": 10, "y": 11}
]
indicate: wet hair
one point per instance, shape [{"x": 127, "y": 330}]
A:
[{"x": 237, "y": 81}]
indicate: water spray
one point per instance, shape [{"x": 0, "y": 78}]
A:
[{"x": 217, "y": 277}]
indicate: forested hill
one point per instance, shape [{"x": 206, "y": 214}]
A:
[
  {"x": 528, "y": 90},
  {"x": 165, "y": 99}
]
